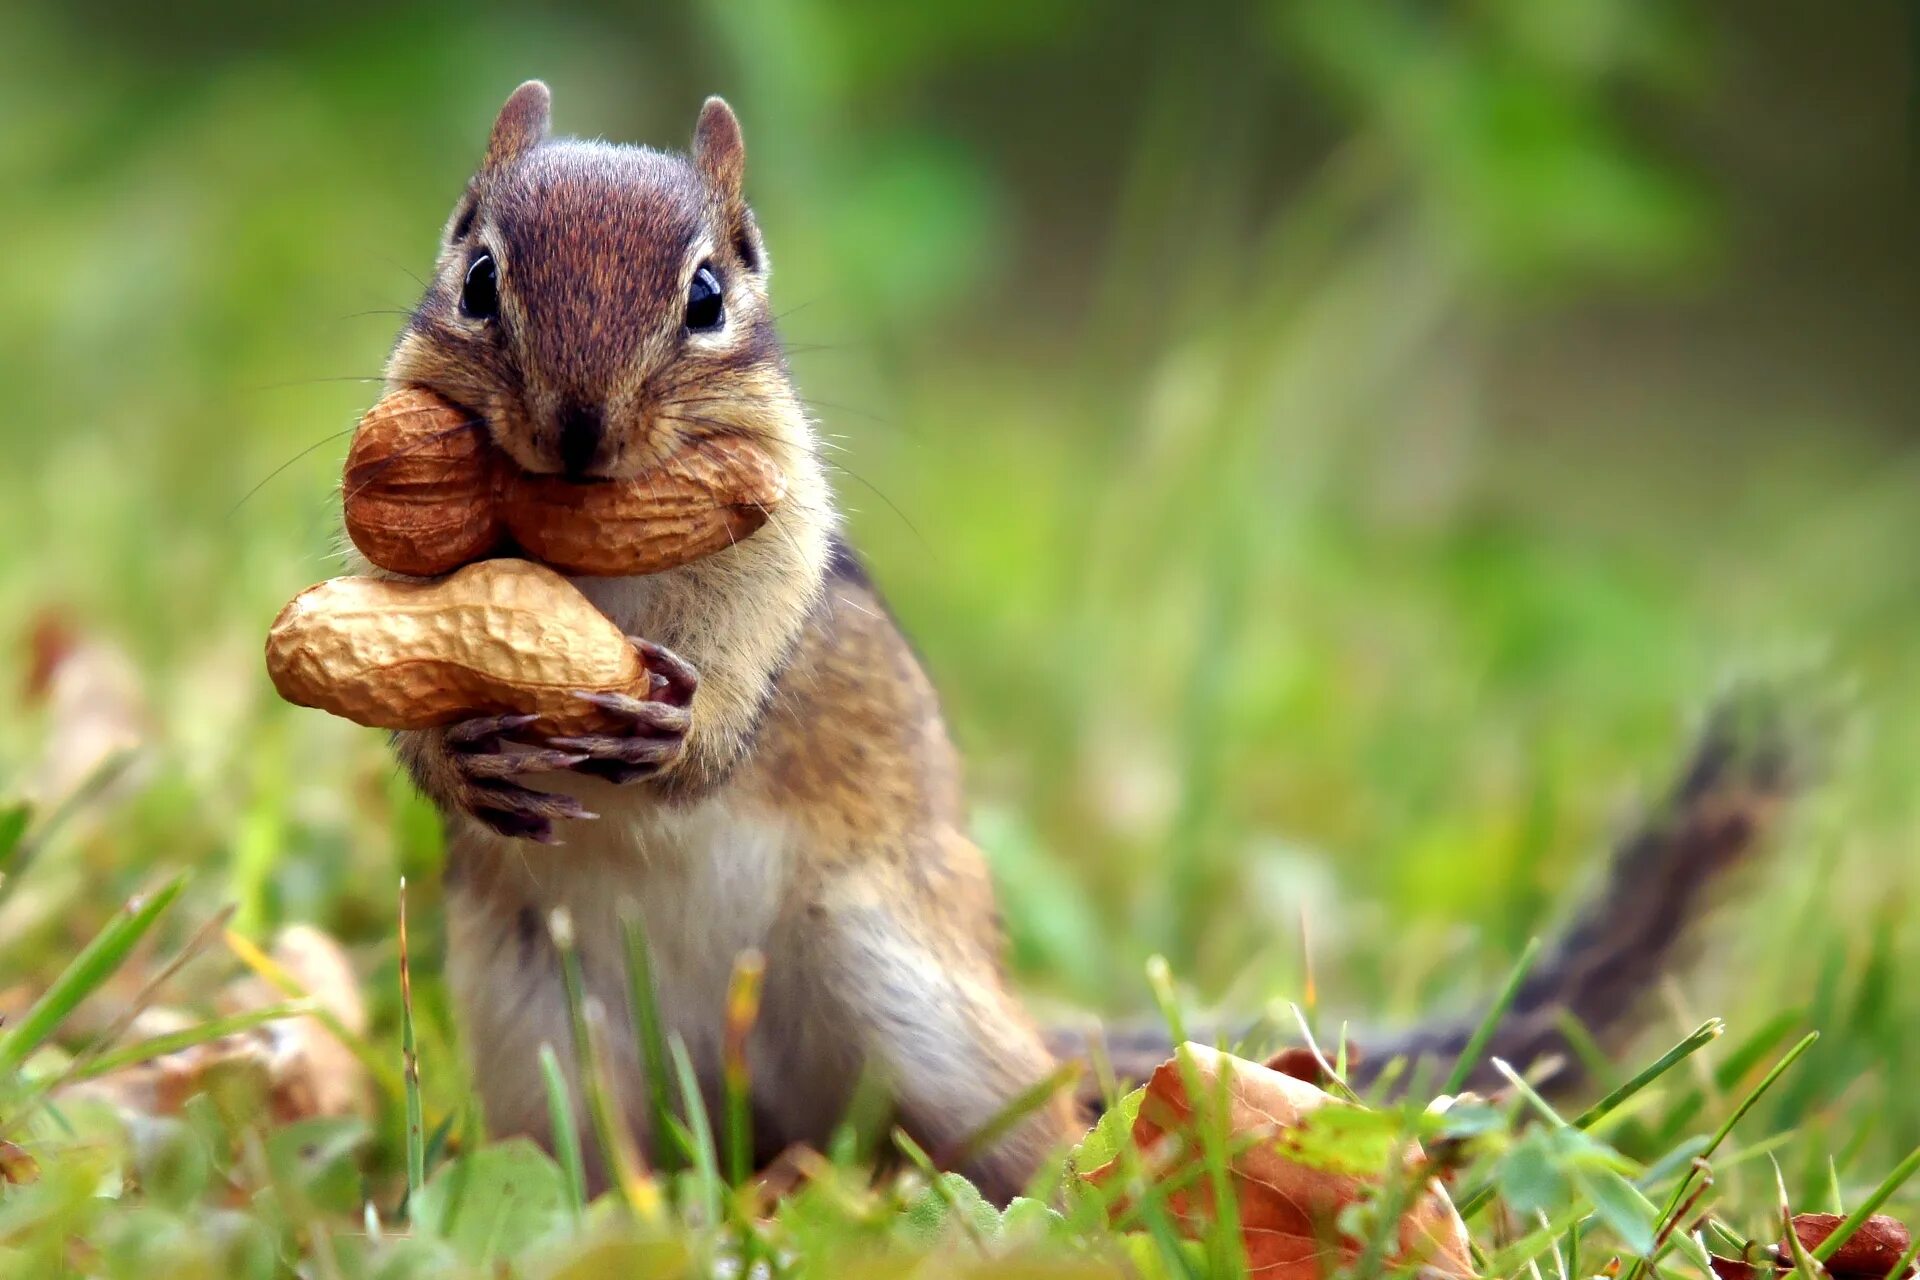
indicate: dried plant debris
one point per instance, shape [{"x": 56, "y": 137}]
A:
[{"x": 1289, "y": 1202}]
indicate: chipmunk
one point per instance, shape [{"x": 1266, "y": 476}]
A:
[{"x": 794, "y": 789}]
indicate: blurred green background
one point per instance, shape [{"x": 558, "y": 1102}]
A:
[{"x": 1323, "y": 452}]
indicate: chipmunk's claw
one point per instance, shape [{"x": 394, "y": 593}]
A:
[
  {"x": 654, "y": 734},
  {"x": 512, "y": 764},
  {"x": 682, "y": 681},
  {"x": 657, "y": 719},
  {"x": 488, "y": 755},
  {"x": 492, "y": 753}
]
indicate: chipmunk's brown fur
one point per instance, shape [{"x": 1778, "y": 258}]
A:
[{"x": 804, "y": 799}]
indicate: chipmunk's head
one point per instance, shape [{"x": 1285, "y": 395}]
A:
[{"x": 598, "y": 305}]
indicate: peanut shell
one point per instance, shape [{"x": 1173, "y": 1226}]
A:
[
  {"x": 419, "y": 486},
  {"x": 499, "y": 637},
  {"x": 704, "y": 497},
  {"x": 425, "y": 492}
]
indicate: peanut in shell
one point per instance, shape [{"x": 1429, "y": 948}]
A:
[
  {"x": 419, "y": 486},
  {"x": 425, "y": 491},
  {"x": 499, "y": 637},
  {"x": 703, "y": 498}
]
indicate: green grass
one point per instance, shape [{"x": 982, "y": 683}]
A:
[{"x": 1284, "y": 639}]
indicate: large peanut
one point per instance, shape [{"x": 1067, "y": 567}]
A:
[
  {"x": 426, "y": 492},
  {"x": 707, "y": 496},
  {"x": 419, "y": 486},
  {"x": 498, "y": 637}
]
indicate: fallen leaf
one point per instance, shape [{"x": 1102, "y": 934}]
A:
[
  {"x": 1301, "y": 1063},
  {"x": 299, "y": 1066},
  {"x": 1734, "y": 1268},
  {"x": 309, "y": 1071},
  {"x": 16, "y": 1166},
  {"x": 1870, "y": 1251},
  {"x": 96, "y": 710},
  {"x": 1288, "y": 1210}
]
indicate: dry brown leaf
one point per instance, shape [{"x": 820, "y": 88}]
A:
[
  {"x": 310, "y": 1072},
  {"x": 1735, "y": 1268},
  {"x": 795, "y": 1167},
  {"x": 96, "y": 709},
  {"x": 16, "y": 1166},
  {"x": 1288, "y": 1211},
  {"x": 163, "y": 1085},
  {"x": 1301, "y": 1063},
  {"x": 299, "y": 1066},
  {"x": 1870, "y": 1251}
]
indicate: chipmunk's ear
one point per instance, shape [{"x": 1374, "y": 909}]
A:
[
  {"x": 521, "y": 125},
  {"x": 718, "y": 151}
]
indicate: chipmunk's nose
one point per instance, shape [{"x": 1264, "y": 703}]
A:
[{"x": 581, "y": 431}]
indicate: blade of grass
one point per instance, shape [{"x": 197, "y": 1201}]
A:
[
  {"x": 442, "y": 1135},
  {"x": 94, "y": 965},
  {"x": 1477, "y": 1043},
  {"x": 187, "y": 1037},
  {"x": 1803, "y": 1264},
  {"x": 378, "y": 1065},
  {"x": 13, "y": 825},
  {"x": 1678, "y": 1196},
  {"x": 410, "y": 1062},
  {"x": 1676, "y": 1160},
  {"x": 1160, "y": 982},
  {"x": 1225, "y": 1248},
  {"x": 1700, "y": 1191},
  {"x": 1141, "y": 1197},
  {"x": 617, "y": 1151},
  {"x": 1336, "y": 1075},
  {"x": 1758, "y": 1091},
  {"x": 1389, "y": 1204},
  {"x": 649, "y": 1032},
  {"x": 706, "y": 1157},
  {"x": 1529, "y": 1094},
  {"x": 743, "y": 1010},
  {"x": 1593, "y": 1059},
  {"x": 1728, "y": 1241},
  {"x": 566, "y": 1136},
  {"x": 1703, "y": 1035},
  {"x": 1514, "y": 1254},
  {"x": 28, "y": 843},
  {"x": 201, "y": 939},
  {"x": 204, "y": 935},
  {"x": 1868, "y": 1207},
  {"x": 1734, "y": 1067},
  {"x": 937, "y": 1183},
  {"x": 864, "y": 1121},
  {"x": 1610, "y": 1179},
  {"x": 1562, "y": 1262}
]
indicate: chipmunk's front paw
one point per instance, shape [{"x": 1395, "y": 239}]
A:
[
  {"x": 489, "y": 759},
  {"x": 653, "y": 731}
]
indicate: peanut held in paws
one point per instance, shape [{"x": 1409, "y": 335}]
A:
[
  {"x": 425, "y": 492},
  {"x": 496, "y": 638}
]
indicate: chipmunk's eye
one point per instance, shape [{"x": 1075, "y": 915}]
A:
[
  {"x": 704, "y": 308},
  {"x": 480, "y": 295}
]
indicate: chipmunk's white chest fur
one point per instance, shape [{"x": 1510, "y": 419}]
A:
[{"x": 706, "y": 882}]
